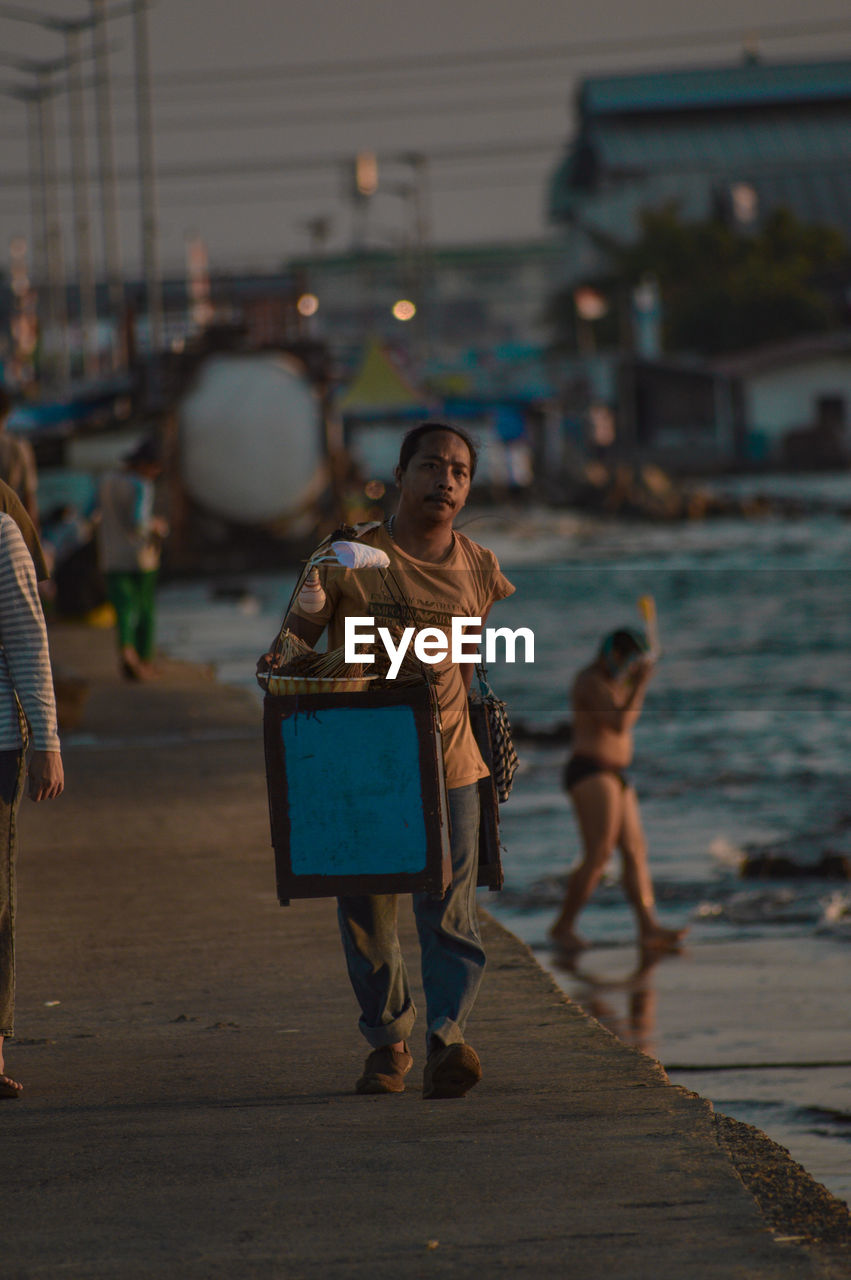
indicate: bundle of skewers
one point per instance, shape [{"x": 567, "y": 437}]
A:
[
  {"x": 296, "y": 668},
  {"x": 411, "y": 670}
]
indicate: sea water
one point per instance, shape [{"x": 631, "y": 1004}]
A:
[{"x": 744, "y": 747}]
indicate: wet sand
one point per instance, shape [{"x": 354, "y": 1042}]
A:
[{"x": 189, "y": 1051}]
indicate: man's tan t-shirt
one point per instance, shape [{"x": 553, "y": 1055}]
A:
[{"x": 464, "y": 585}]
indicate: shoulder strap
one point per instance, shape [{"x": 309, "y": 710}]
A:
[{"x": 482, "y": 675}]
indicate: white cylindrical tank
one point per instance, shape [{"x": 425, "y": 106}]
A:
[{"x": 250, "y": 438}]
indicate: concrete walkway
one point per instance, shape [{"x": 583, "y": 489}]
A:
[{"x": 189, "y": 1051}]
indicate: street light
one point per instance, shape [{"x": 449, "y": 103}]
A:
[
  {"x": 307, "y": 304},
  {"x": 404, "y": 310}
]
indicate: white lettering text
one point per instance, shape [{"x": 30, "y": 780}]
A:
[{"x": 510, "y": 638}]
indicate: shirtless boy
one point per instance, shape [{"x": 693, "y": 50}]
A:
[{"x": 608, "y": 697}]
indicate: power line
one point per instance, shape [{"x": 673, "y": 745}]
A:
[
  {"x": 259, "y": 85},
  {"x": 279, "y": 164},
  {"x": 465, "y": 155},
  {"x": 499, "y": 56},
  {"x": 221, "y": 123},
  {"x": 330, "y": 191},
  {"x": 309, "y": 116}
]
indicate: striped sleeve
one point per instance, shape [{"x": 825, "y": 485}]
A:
[{"x": 23, "y": 636}]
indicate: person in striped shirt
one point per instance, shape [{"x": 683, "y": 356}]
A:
[{"x": 27, "y": 714}]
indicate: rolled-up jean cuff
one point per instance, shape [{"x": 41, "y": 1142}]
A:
[
  {"x": 400, "y": 1028},
  {"x": 445, "y": 1030}
]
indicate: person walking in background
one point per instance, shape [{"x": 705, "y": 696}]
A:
[
  {"x": 27, "y": 709},
  {"x": 608, "y": 697},
  {"x": 130, "y": 540},
  {"x": 17, "y": 462}
]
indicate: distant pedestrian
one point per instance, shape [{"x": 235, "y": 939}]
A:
[
  {"x": 130, "y": 539},
  {"x": 608, "y": 697},
  {"x": 17, "y": 462},
  {"x": 27, "y": 712}
]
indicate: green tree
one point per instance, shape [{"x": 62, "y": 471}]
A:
[{"x": 725, "y": 289}]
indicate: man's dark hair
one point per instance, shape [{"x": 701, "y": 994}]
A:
[
  {"x": 5, "y": 403},
  {"x": 411, "y": 442}
]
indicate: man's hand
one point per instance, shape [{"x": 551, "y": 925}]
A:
[
  {"x": 267, "y": 662},
  {"x": 46, "y": 777}
]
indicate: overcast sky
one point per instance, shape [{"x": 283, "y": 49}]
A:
[{"x": 258, "y": 105}]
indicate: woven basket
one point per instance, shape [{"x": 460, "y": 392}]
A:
[{"x": 281, "y": 685}]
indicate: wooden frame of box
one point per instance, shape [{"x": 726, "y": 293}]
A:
[
  {"x": 491, "y": 875},
  {"x": 357, "y": 797}
]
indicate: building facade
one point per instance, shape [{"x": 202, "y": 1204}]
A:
[{"x": 739, "y": 141}]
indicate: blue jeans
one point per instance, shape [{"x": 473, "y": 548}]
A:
[{"x": 452, "y": 956}]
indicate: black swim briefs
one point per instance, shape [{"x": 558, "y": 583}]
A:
[{"x": 581, "y": 767}]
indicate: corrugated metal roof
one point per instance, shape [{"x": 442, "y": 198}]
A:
[
  {"x": 795, "y": 150},
  {"x": 750, "y": 83},
  {"x": 774, "y": 140}
]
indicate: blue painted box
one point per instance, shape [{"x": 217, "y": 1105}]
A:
[{"x": 357, "y": 797}]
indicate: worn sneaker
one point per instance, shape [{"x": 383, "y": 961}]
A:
[
  {"x": 384, "y": 1071},
  {"x": 451, "y": 1072}
]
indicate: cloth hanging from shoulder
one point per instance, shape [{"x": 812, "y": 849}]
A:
[{"x": 505, "y": 761}]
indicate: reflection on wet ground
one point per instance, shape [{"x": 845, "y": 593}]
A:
[
  {"x": 758, "y": 1025},
  {"x": 626, "y": 1005}
]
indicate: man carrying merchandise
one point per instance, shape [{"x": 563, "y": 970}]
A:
[
  {"x": 608, "y": 697},
  {"x": 435, "y": 574},
  {"x": 27, "y": 709}
]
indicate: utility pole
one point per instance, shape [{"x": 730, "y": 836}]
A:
[
  {"x": 47, "y": 225},
  {"x": 80, "y": 186},
  {"x": 108, "y": 187},
  {"x": 57, "y": 350},
  {"x": 38, "y": 206},
  {"x": 72, "y": 30},
  {"x": 147, "y": 177},
  {"x": 422, "y": 243}
]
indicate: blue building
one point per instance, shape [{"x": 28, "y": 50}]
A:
[{"x": 740, "y": 141}]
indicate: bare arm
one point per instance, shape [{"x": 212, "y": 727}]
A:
[
  {"x": 603, "y": 706},
  {"x": 309, "y": 632}
]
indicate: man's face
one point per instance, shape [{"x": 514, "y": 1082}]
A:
[{"x": 435, "y": 484}]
